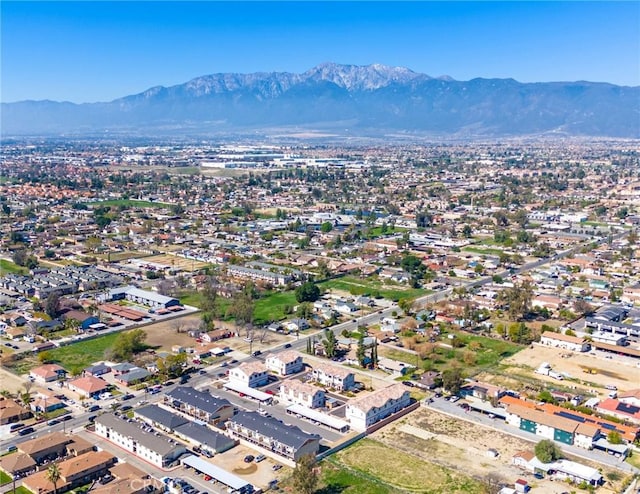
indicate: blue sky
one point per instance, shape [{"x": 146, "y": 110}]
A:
[{"x": 98, "y": 51}]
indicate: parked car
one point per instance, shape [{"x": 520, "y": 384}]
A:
[
  {"x": 25, "y": 431},
  {"x": 94, "y": 408},
  {"x": 15, "y": 427},
  {"x": 249, "y": 458},
  {"x": 126, "y": 397},
  {"x": 92, "y": 418},
  {"x": 256, "y": 353},
  {"x": 288, "y": 345},
  {"x": 260, "y": 458},
  {"x": 276, "y": 467},
  {"x": 53, "y": 422}
]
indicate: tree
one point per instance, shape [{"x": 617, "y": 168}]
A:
[
  {"x": 547, "y": 451},
  {"x": 518, "y": 298},
  {"x": 242, "y": 308},
  {"x": 52, "y": 304},
  {"x": 323, "y": 270},
  {"x": 304, "y": 310},
  {"x": 614, "y": 437},
  {"x": 305, "y": 475},
  {"x": 307, "y": 292},
  {"x": 128, "y": 344},
  {"x": 452, "y": 380},
  {"x": 467, "y": 231},
  {"x": 360, "y": 351},
  {"x": 53, "y": 475},
  {"x": 330, "y": 343},
  {"x": 326, "y": 227},
  {"x": 93, "y": 243},
  {"x": 406, "y": 305}
]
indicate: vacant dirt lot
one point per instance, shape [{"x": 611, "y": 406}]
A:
[
  {"x": 176, "y": 262},
  {"x": 165, "y": 334},
  {"x": 463, "y": 446},
  {"x": 620, "y": 373},
  {"x": 10, "y": 382},
  {"x": 259, "y": 474}
]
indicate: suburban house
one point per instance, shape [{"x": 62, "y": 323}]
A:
[
  {"x": 631, "y": 397},
  {"x": 11, "y": 412},
  {"x": 47, "y": 447},
  {"x": 271, "y": 434},
  {"x": 96, "y": 370},
  {"x": 47, "y": 373},
  {"x": 566, "y": 342},
  {"x": 215, "y": 335},
  {"x": 298, "y": 393},
  {"x": 88, "y": 386},
  {"x": 74, "y": 472},
  {"x": 295, "y": 325},
  {"x": 365, "y": 411},
  {"x": 156, "y": 449},
  {"x": 83, "y": 319},
  {"x": 619, "y": 409},
  {"x": 251, "y": 374},
  {"x": 200, "y": 404},
  {"x": 394, "y": 367},
  {"x": 285, "y": 363},
  {"x": 334, "y": 377}
]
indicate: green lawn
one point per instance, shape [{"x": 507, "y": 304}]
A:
[
  {"x": 483, "y": 250},
  {"x": 271, "y": 307},
  {"x": 130, "y": 203},
  {"x": 22, "y": 490},
  {"x": 491, "y": 350},
  {"x": 8, "y": 267},
  {"x": 4, "y": 478},
  {"x": 193, "y": 298},
  {"x": 337, "y": 479},
  {"x": 373, "y": 287},
  {"x": 82, "y": 354}
]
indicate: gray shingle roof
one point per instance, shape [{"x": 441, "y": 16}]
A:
[
  {"x": 198, "y": 399},
  {"x": 289, "y": 435},
  {"x": 161, "y": 416}
]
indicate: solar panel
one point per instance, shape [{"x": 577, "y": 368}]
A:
[
  {"x": 611, "y": 427},
  {"x": 571, "y": 416},
  {"x": 627, "y": 408}
]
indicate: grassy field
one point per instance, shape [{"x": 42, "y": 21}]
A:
[
  {"x": 22, "y": 490},
  {"x": 271, "y": 307},
  {"x": 372, "y": 287},
  {"x": 4, "y": 478},
  {"x": 482, "y": 250},
  {"x": 84, "y": 353},
  {"x": 8, "y": 267},
  {"x": 395, "y": 471},
  {"x": 337, "y": 479},
  {"x": 130, "y": 203}
]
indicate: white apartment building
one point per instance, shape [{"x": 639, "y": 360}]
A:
[
  {"x": 252, "y": 374},
  {"x": 299, "y": 393},
  {"x": 334, "y": 377},
  {"x": 157, "y": 450},
  {"x": 366, "y": 411},
  {"x": 285, "y": 363}
]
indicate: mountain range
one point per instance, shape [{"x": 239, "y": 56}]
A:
[{"x": 373, "y": 99}]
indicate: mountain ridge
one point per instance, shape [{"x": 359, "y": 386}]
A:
[{"x": 371, "y": 96}]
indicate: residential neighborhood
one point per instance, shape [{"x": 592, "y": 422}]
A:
[{"x": 206, "y": 332}]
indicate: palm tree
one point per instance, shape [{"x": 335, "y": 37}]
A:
[{"x": 53, "y": 475}]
